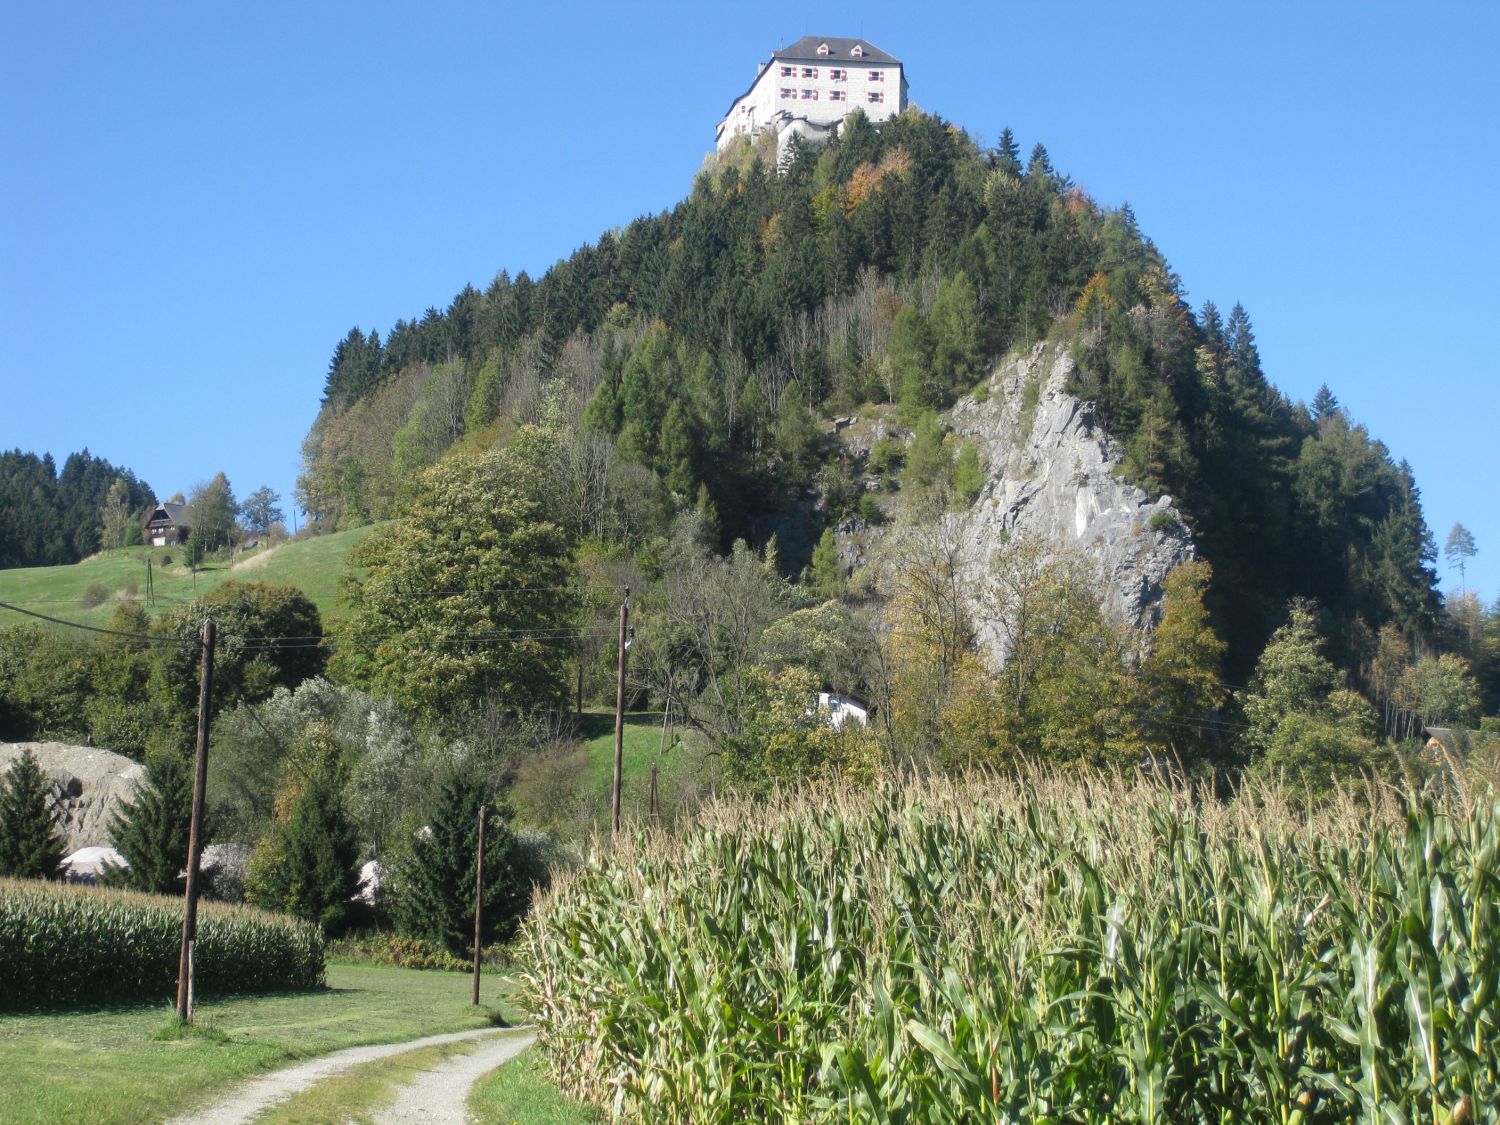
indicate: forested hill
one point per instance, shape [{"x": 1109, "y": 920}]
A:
[
  {"x": 48, "y": 518},
  {"x": 687, "y": 358}
]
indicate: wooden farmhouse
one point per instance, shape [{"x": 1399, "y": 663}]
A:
[{"x": 168, "y": 525}]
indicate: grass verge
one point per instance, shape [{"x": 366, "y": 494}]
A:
[
  {"x": 520, "y": 1093},
  {"x": 107, "y": 1065}
]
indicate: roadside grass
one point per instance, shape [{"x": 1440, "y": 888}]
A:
[
  {"x": 520, "y": 1093},
  {"x": 350, "y": 1096},
  {"x": 312, "y": 565},
  {"x": 127, "y": 1064}
]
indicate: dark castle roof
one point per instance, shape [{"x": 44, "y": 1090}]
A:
[{"x": 806, "y": 49}]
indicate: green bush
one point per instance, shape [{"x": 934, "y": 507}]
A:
[
  {"x": 94, "y": 594},
  {"x": 64, "y": 946},
  {"x": 1035, "y": 949},
  {"x": 395, "y": 949}
]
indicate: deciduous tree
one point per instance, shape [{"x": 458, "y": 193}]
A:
[{"x": 465, "y": 596}]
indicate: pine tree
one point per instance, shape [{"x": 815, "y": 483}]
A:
[
  {"x": 30, "y": 846},
  {"x": 435, "y": 879},
  {"x": 151, "y": 832},
  {"x": 1458, "y": 550}
]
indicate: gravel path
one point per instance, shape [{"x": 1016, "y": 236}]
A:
[
  {"x": 439, "y": 1095},
  {"x": 260, "y": 1094}
]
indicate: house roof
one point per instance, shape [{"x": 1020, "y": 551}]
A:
[
  {"x": 806, "y": 48},
  {"x": 175, "y": 514}
]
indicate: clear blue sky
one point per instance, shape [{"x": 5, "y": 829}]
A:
[{"x": 198, "y": 200}]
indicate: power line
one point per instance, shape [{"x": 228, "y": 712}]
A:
[{"x": 148, "y": 637}]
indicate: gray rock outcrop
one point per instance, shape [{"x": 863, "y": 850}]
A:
[
  {"x": 1052, "y": 473},
  {"x": 87, "y": 787}
]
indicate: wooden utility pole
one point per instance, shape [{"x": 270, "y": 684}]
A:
[
  {"x": 479, "y": 896},
  {"x": 655, "y": 811},
  {"x": 195, "y": 828},
  {"x": 580, "y": 685},
  {"x": 620, "y": 714}
]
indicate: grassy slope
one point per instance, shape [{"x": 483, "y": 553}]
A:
[
  {"x": 104, "y": 1066},
  {"x": 312, "y": 565},
  {"x": 582, "y": 780}
]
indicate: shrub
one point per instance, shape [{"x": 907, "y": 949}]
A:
[
  {"x": 1164, "y": 522},
  {"x": 870, "y": 511},
  {"x": 94, "y": 594},
  {"x": 395, "y": 949},
  {"x": 64, "y": 945}
]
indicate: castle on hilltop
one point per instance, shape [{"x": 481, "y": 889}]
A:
[{"x": 807, "y": 90}]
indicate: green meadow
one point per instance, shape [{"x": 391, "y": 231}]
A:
[{"x": 88, "y": 591}]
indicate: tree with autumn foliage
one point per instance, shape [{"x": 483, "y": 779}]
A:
[{"x": 1181, "y": 676}]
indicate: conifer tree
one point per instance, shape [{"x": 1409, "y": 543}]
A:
[
  {"x": 435, "y": 879},
  {"x": 1458, "y": 550},
  {"x": 30, "y": 846},
  {"x": 151, "y": 832},
  {"x": 1324, "y": 402},
  {"x": 827, "y": 575},
  {"x": 1008, "y": 153},
  {"x": 308, "y": 866}
]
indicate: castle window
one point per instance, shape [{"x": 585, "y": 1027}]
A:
[
  {"x": 809, "y": 72},
  {"x": 788, "y": 72},
  {"x": 838, "y": 75},
  {"x": 822, "y": 48},
  {"x": 876, "y": 96},
  {"x": 877, "y": 76},
  {"x": 809, "y": 95},
  {"x": 837, "y": 96},
  {"x": 788, "y": 92}
]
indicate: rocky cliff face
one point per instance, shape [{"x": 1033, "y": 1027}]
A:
[
  {"x": 1052, "y": 474},
  {"x": 87, "y": 786}
]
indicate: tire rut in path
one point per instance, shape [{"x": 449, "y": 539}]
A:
[{"x": 242, "y": 1104}]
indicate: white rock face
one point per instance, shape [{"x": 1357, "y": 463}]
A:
[
  {"x": 88, "y": 786},
  {"x": 1052, "y": 473}
]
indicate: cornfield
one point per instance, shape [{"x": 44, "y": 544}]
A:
[
  {"x": 1033, "y": 950},
  {"x": 63, "y": 945}
]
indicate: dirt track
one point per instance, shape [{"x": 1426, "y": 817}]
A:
[{"x": 438, "y": 1095}]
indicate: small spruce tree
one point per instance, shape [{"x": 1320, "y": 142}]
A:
[
  {"x": 827, "y": 575},
  {"x": 308, "y": 866},
  {"x": 435, "y": 879},
  {"x": 30, "y": 846},
  {"x": 151, "y": 832}
]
